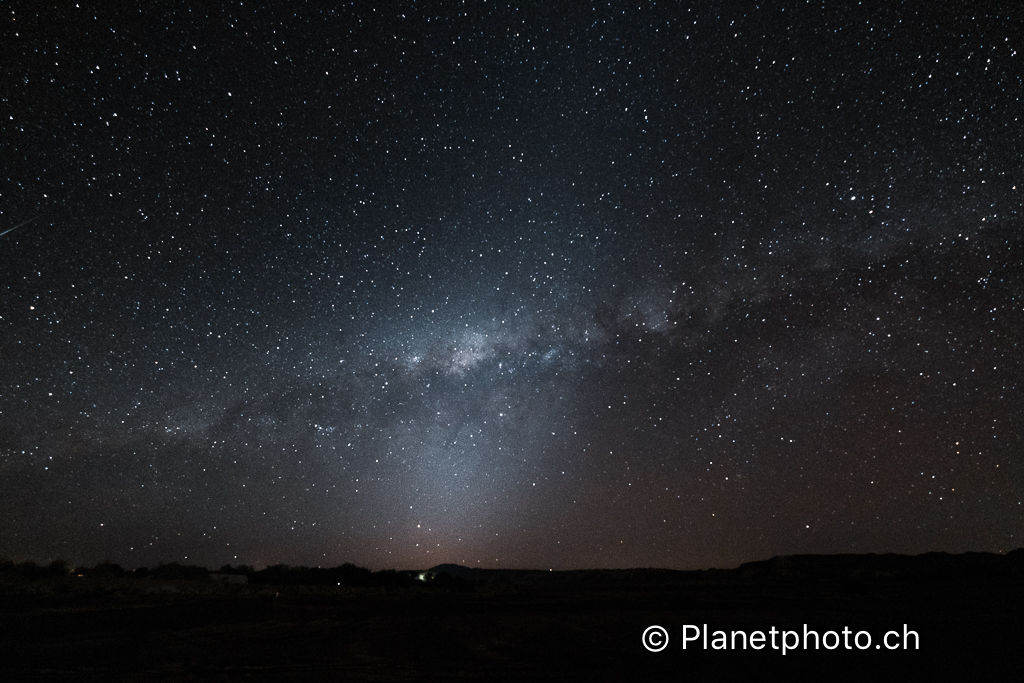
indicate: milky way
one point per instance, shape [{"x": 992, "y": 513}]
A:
[{"x": 617, "y": 286}]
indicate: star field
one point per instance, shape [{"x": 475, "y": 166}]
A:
[{"x": 616, "y": 285}]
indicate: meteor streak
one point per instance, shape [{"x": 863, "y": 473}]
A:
[{"x": 17, "y": 226}]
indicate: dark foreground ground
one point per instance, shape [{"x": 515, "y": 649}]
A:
[{"x": 522, "y": 626}]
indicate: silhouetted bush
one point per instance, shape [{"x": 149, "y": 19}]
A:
[
  {"x": 173, "y": 570},
  {"x": 29, "y": 570},
  {"x": 349, "y": 574},
  {"x": 453, "y": 583},
  {"x": 58, "y": 568},
  {"x": 345, "y": 575},
  {"x": 106, "y": 569},
  {"x": 275, "y": 575},
  {"x": 389, "y": 578}
]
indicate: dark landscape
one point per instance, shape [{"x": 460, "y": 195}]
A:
[{"x": 456, "y": 623}]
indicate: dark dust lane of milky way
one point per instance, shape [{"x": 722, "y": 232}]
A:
[{"x": 594, "y": 285}]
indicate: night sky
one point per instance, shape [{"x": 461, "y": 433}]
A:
[{"x": 550, "y": 285}]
